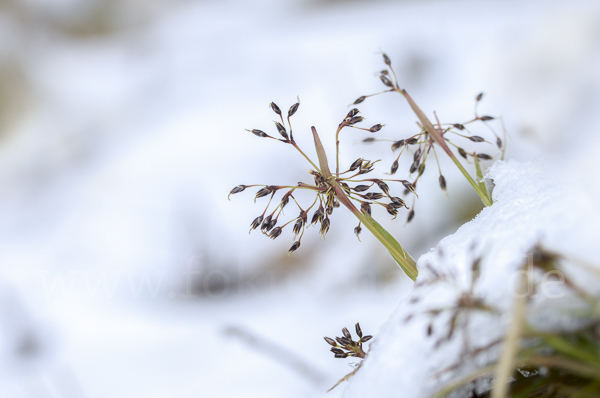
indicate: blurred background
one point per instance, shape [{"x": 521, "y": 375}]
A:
[{"x": 124, "y": 269}]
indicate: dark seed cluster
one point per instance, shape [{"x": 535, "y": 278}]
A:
[
  {"x": 354, "y": 186},
  {"x": 343, "y": 347}
]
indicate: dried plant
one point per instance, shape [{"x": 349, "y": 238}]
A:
[
  {"x": 423, "y": 144},
  {"x": 348, "y": 188}
]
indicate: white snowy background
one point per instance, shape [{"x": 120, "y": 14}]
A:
[{"x": 124, "y": 270}]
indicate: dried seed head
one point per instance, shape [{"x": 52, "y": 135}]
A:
[
  {"x": 357, "y": 230},
  {"x": 411, "y": 214},
  {"x": 354, "y": 120},
  {"x": 318, "y": 216},
  {"x": 258, "y": 133},
  {"x": 386, "y": 59},
  {"x": 263, "y": 192},
  {"x": 235, "y": 190},
  {"x": 347, "y": 333},
  {"x": 345, "y": 187},
  {"x": 329, "y": 209},
  {"x": 499, "y": 142},
  {"x": 479, "y": 97},
  {"x": 366, "y": 338},
  {"x": 366, "y": 207},
  {"x": 294, "y": 247},
  {"x": 369, "y": 139},
  {"x": 386, "y": 81},
  {"x": 384, "y": 187},
  {"x": 358, "y": 330},
  {"x": 325, "y": 226},
  {"x": 484, "y": 156},
  {"x": 275, "y": 108},
  {"x": 275, "y": 232},
  {"x": 421, "y": 169},
  {"x": 374, "y": 195},
  {"x": 397, "y": 144},
  {"x": 298, "y": 226},
  {"x": 357, "y": 163},
  {"x": 398, "y": 201},
  {"x": 360, "y": 188},
  {"x": 394, "y": 167},
  {"x": 391, "y": 209},
  {"x": 337, "y": 350},
  {"x": 412, "y": 141},
  {"x": 352, "y": 113},
  {"x": 414, "y": 166},
  {"x": 462, "y": 152},
  {"x": 486, "y": 118},
  {"x": 285, "y": 200},
  {"x": 342, "y": 355},
  {"x": 476, "y": 138},
  {"x": 257, "y": 221},
  {"x": 375, "y": 128},
  {"x": 458, "y": 126},
  {"x": 294, "y": 108},
  {"x": 442, "y": 182},
  {"x": 266, "y": 224},
  {"x": 360, "y": 99},
  {"x": 281, "y": 130},
  {"x": 417, "y": 154},
  {"x": 330, "y": 341}
]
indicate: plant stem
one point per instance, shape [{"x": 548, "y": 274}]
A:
[{"x": 433, "y": 132}]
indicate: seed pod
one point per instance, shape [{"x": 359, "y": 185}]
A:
[
  {"x": 421, "y": 169},
  {"x": 356, "y": 164},
  {"x": 398, "y": 201},
  {"x": 258, "y": 133},
  {"x": 272, "y": 224},
  {"x": 414, "y": 167},
  {"x": 294, "y": 247},
  {"x": 484, "y": 156},
  {"x": 394, "y": 167},
  {"x": 386, "y": 81},
  {"x": 360, "y": 188},
  {"x": 384, "y": 187},
  {"x": 235, "y": 190},
  {"x": 374, "y": 195},
  {"x": 499, "y": 142},
  {"x": 358, "y": 330},
  {"x": 391, "y": 209},
  {"x": 330, "y": 341},
  {"x": 266, "y": 223},
  {"x": 257, "y": 221},
  {"x": 476, "y": 138},
  {"x": 442, "y": 182},
  {"x": 275, "y": 232},
  {"x": 345, "y": 187},
  {"x": 281, "y": 130},
  {"x": 357, "y": 230},
  {"x": 486, "y": 118},
  {"x": 275, "y": 108},
  {"x": 342, "y": 355},
  {"x": 395, "y": 205},
  {"x": 369, "y": 139},
  {"x": 375, "y": 128},
  {"x": 386, "y": 59},
  {"x": 329, "y": 210},
  {"x": 412, "y": 141},
  {"x": 347, "y": 333},
  {"x": 397, "y": 144},
  {"x": 285, "y": 200},
  {"x": 409, "y": 186},
  {"x": 354, "y": 120},
  {"x": 298, "y": 226},
  {"x": 365, "y": 339},
  {"x": 263, "y": 192},
  {"x": 479, "y": 97},
  {"x": 318, "y": 216},
  {"x": 293, "y": 109},
  {"x": 459, "y": 126},
  {"x": 352, "y": 113},
  {"x": 462, "y": 152},
  {"x": 417, "y": 154},
  {"x": 360, "y": 99},
  {"x": 366, "y": 207},
  {"x": 411, "y": 214},
  {"x": 325, "y": 226}
]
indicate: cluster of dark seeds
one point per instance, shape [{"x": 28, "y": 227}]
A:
[
  {"x": 351, "y": 181},
  {"x": 343, "y": 347},
  {"x": 421, "y": 145}
]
